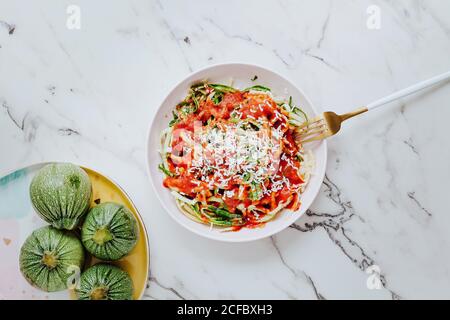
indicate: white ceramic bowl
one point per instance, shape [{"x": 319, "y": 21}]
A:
[{"x": 241, "y": 75}]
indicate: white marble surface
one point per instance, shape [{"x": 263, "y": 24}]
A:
[{"x": 88, "y": 96}]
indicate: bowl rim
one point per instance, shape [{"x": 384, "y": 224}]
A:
[
  {"x": 4, "y": 173},
  {"x": 321, "y": 175}
]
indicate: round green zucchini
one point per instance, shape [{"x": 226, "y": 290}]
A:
[
  {"x": 109, "y": 231},
  {"x": 105, "y": 282},
  {"x": 61, "y": 194},
  {"x": 49, "y": 259}
]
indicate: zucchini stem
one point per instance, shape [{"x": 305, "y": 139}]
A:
[
  {"x": 102, "y": 235},
  {"x": 49, "y": 259}
]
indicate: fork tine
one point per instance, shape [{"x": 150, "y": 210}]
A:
[
  {"x": 311, "y": 126},
  {"x": 317, "y": 127},
  {"x": 319, "y": 137},
  {"x": 309, "y": 134},
  {"x": 323, "y": 126},
  {"x": 309, "y": 123},
  {"x": 303, "y": 125}
]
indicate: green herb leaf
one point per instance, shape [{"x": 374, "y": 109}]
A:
[
  {"x": 217, "y": 98},
  {"x": 197, "y": 86},
  {"x": 246, "y": 176},
  {"x": 188, "y": 109},
  {"x": 197, "y": 207},
  {"x": 257, "y": 88},
  {"x": 222, "y": 88},
  {"x": 174, "y": 120},
  {"x": 300, "y": 112},
  {"x": 164, "y": 170},
  {"x": 223, "y": 212},
  {"x": 221, "y": 222},
  {"x": 255, "y": 192},
  {"x": 197, "y": 104}
]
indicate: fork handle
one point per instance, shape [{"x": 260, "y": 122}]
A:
[
  {"x": 352, "y": 114},
  {"x": 410, "y": 90}
]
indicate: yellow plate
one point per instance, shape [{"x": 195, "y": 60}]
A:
[
  {"x": 18, "y": 220},
  {"x": 136, "y": 263}
]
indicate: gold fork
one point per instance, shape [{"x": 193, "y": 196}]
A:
[{"x": 329, "y": 123}]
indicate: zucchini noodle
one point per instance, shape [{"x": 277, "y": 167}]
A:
[{"x": 231, "y": 157}]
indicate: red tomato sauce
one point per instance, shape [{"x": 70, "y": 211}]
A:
[{"x": 248, "y": 106}]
